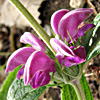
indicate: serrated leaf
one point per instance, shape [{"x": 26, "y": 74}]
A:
[
  {"x": 86, "y": 88},
  {"x": 9, "y": 79},
  {"x": 18, "y": 91},
  {"x": 68, "y": 92}
]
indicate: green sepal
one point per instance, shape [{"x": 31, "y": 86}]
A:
[
  {"x": 49, "y": 53},
  {"x": 18, "y": 91},
  {"x": 72, "y": 71}
]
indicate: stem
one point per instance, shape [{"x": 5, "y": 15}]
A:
[
  {"x": 5, "y": 53},
  {"x": 12, "y": 39},
  {"x": 79, "y": 90},
  {"x": 34, "y": 24},
  {"x": 80, "y": 70}
]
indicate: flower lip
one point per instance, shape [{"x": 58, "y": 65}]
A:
[{"x": 40, "y": 79}]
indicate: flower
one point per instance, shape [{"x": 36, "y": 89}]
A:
[
  {"x": 64, "y": 23},
  {"x": 36, "y": 65},
  {"x": 68, "y": 56}
]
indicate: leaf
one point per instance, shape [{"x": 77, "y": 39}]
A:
[
  {"x": 96, "y": 19},
  {"x": 68, "y": 92},
  {"x": 86, "y": 39},
  {"x": 94, "y": 49},
  {"x": 86, "y": 88},
  {"x": 4, "y": 89},
  {"x": 92, "y": 39},
  {"x": 94, "y": 52},
  {"x": 18, "y": 91}
]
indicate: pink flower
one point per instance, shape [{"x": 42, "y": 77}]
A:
[
  {"x": 64, "y": 22},
  {"x": 36, "y": 65},
  {"x": 67, "y": 55}
]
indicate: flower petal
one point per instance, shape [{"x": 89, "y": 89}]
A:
[
  {"x": 80, "y": 52},
  {"x": 20, "y": 72},
  {"x": 83, "y": 29},
  {"x": 18, "y": 57},
  {"x": 55, "y": 19},
  {"x": 61, "y": 48},
  {"x": 38, "y": 61},
  {"x": 70, "y": 22},
  {"x": 80, "y": 57},
  {"x": 71, "y": 61},
  {"x": 40, "y": 79},
  {"x": 29, "y": 38}
]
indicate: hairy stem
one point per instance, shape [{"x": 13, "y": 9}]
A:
[{"x": 79, "y": 90}]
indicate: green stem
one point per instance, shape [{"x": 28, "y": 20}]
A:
[
  {"x": 79, "y": 90},
  {"x": 5, "y": 53},
  {"x": 34, "y": 24}
]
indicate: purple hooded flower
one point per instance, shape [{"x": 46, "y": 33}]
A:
[
  {"x": 68, "y": 56},
  {"x": 36, "y": 65},
  {"x": 64, "y": 22}
]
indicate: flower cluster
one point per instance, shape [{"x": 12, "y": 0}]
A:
[
  {"x": 69, "y": 25},
  {"x": 36, "y": 65}
]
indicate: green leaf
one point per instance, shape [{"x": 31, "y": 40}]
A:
[
  {"x": 68, "y": 92},
  {"x": 96, "y": 19},
  {"x": 9, "y": 79},
  {"x": 86, "y": 39},
  {"x": 92, "y": 39},
  {"x": 94, "y": 48},
  {"x": 18, "y": 91},
  {"x": 94, "y": 52},
  {"x": 86, "y": 88}
]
